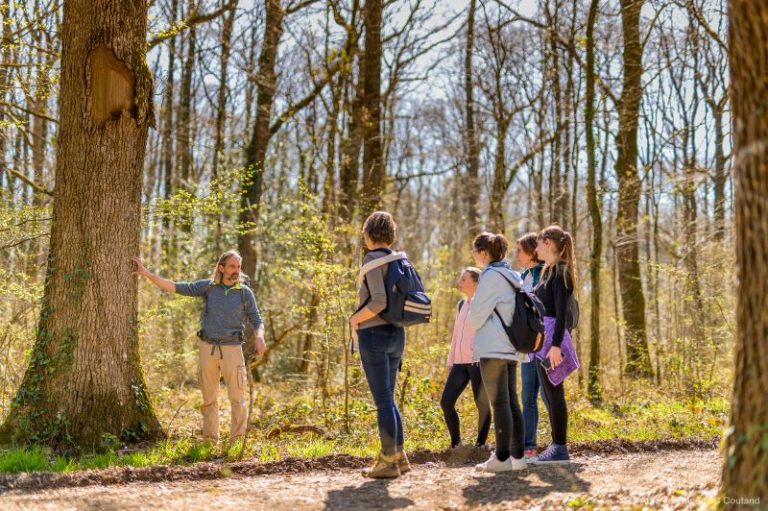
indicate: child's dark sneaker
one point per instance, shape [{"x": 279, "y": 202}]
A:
[{"x": 554, "y": 455}]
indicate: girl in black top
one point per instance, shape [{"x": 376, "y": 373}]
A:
[{"x": 558, "y": 280}]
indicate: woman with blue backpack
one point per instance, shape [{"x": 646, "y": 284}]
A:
[
  {"x": 495, "y": 299},
  {"x": 379, "y": 325},
  {"x": 557, "y": 357}
]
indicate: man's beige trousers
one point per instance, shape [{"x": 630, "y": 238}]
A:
[{"x": 227, "y": 362}]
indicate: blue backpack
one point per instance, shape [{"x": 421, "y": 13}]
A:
[{"x": 407, "y": 303}]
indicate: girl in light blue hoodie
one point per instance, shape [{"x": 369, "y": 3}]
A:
[{"x": 495, "y": 300}]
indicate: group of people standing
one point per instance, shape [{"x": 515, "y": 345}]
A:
[{"x": 481, "y": 355}]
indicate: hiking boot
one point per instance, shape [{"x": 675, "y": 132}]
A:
[
  {"x": 385, "y": 467},
  {"x": 402, "y": 462},
  {"x": 554, "y": 455}
]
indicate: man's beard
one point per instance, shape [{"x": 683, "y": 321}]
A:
[{"x": 232, "y": 277}]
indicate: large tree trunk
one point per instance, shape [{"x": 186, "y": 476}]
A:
[
  {"x": 256, "y": 152},
  {"x": 472, "y": 145},
  {"x": 745, "y": 470},
  {"x": 596, "y": 254},
  {"x": 627, "y": 244},
  {"x": 84, "y": 379},
  {"x": 373, "y": 166}
]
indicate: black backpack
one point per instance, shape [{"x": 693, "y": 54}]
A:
[
  {"x": 526, "y": 333},
  {"x": 572, "y": 320},
  {"x": 407, "y": 303}
]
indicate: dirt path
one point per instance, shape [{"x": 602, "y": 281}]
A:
[{"x": 667, "y": 479}]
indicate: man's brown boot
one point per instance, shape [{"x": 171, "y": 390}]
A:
[
  {"x": 385, "y": 467},
  {"x": 402, "y": 462}
]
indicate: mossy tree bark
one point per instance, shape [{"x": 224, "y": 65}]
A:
[
  {"x": 84, "y": 384},
  {"x": 746, "y": 465}
]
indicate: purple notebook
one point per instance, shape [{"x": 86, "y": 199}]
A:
[{"x": 570, "y": 359}]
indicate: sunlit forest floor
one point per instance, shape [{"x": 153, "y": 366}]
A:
[{"x": 642, "y": 415}]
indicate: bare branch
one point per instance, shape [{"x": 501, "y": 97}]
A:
[
  {"x": 30, "y": 112},
  {"x": 192, "y": 20},
  {"x": 296, "y": 107},
  {"x": 693, "y": 11},
  {"x": 36, "y": 187}
]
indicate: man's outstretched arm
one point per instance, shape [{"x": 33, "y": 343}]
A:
[{"x": 164, "y": 284}]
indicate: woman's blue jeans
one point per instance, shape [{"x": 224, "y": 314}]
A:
[
  {"x": 530, "y": 394},
  {"x": 381, "y": 349}
]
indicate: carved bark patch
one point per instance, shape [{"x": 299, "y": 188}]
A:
[{"x": 112, "y": 85}]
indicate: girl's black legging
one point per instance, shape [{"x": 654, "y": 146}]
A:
[
  {"x": 458, "y": 378},
  {"x": 558, "y": 411},
  {"x": 500, "y": 380}
]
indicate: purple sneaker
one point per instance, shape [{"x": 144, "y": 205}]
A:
[{"x": 554, "y": 455}]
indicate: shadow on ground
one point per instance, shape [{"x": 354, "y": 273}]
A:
[
  {"x": 511, "y": 486},
  {"x": 369, "y": 495}
]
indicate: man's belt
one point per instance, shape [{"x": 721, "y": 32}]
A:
[{"x": 233, "y": 340}]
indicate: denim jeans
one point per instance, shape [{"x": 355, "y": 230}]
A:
[
  {"x": 381, "y": 349},
  {"x": 530, "y": 394}
]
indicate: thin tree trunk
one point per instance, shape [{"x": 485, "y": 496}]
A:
[
  {"x": 499, "y": 184},
  {"x": 84, "y": 379},
  {"x": 721, "y": 174},
  {"x": 255, "y": 153},
  {"x": 472, "y": 145},
  {"x": 184, "y": 145},
  {"x": 221, "y": 112},
  {"x": 745, "y": 469},
  {"x": 627, "y": 244},
  {"x": 373, "y": 166},
  {"x": 167, "y": 134},
  {"x": 307, "y": 352},
  {"x": 5, "y": 61},
  {"x": 593, "y": 203}
]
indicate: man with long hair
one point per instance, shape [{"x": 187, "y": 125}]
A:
[{"x": 229, "y": 303}]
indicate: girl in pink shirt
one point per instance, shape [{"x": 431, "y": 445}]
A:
[{"x": 461, "y": 370}]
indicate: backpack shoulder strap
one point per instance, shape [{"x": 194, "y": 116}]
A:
[
  {"x": 378, "y": 262},
  {"x": 516, "y": 286},
  {"x": 243, "y": 295}
]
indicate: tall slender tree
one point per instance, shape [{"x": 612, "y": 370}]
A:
[
  {"x": 593, "y": 203},
  {"x": 373, "y": 166},
  {"x": 256, "y": 152},
  {"x": 471, "y": 144},
  {"x": 627, "y": 244}
]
